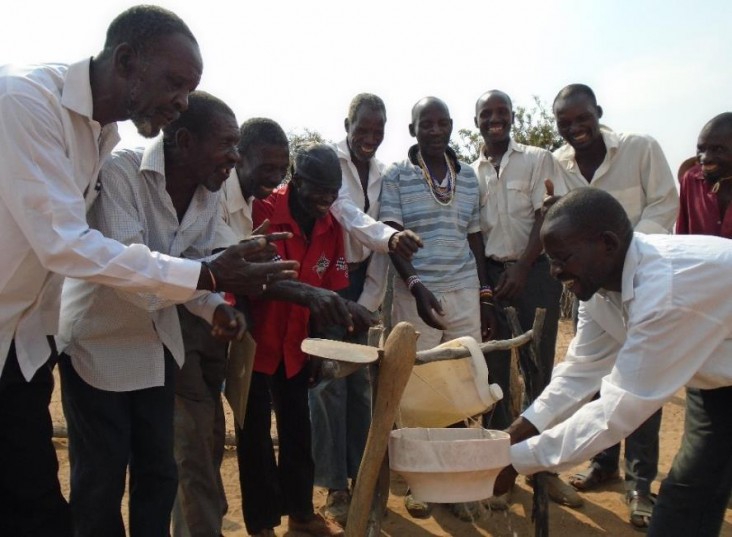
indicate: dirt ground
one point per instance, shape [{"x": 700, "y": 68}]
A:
[{"x": 604, "y": 512}]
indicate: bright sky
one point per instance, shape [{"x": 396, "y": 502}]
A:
[{"x": 660, "y": 67}]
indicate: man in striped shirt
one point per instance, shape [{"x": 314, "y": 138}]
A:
[{"x": 437, "y": 197}]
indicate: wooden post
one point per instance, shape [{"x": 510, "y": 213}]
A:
[{"x": 394, "y": 370}]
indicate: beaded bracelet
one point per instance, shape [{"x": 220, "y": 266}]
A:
[
  {"x": 211, "y": 275},
  {"x": 486, "y": 291},
  {"x": 412, "y": 281}
]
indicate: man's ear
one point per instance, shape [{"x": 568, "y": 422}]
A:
[
  {"x": 411, "y": 130},
  {"x": 346, "y": 124},
  {"x": 125, "y": 60},
  {"x": 475, "y": 122},
  {"x": 599, "y": 111},
  {"x": 611, "y": 242},
  {"x": 183, "y": 139}
]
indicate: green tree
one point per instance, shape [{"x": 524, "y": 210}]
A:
[
  {"x": 299, "y": 138},
  {"x": 534, "y": 126}
]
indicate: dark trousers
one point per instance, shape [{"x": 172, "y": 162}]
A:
[
  {"x": 108, "y": 431},
  {"x": 641, "y": 456},
  {"x": 271, "y": 488},
  {"x": 694, "y": 496},
  {"x": 31, "y": 503},
  {"x": 541, "y": 291},
  {"x": 340, "y": 409}
]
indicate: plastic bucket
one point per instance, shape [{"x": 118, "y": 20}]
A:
[{"x": 449, "y": 465}]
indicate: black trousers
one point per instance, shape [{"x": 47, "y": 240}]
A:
[
  {"x": 109, "y": 432},
  {"x": 31, "y": 503},
  {"x": 271, "y": 488},
  {"x": 541, "y": 291}
]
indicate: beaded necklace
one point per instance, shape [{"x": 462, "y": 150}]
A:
[{"x": 441, "y": 194}]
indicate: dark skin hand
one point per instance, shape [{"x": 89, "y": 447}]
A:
[
  {"x": 326, "y": 307},
  {"x": 488, "y": 322},
  {"x": 228, "y": 323},
  {"x": 549, "y": 198},
  {"x": 427, "y": 304},
  {"x": 268, "y": 252},
  {"x": 405, "y": 243},
  {"x": 520, "y": 430},
  {"x": 235, "y": 273}
]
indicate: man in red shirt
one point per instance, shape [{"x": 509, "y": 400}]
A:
[
  {"x": 281, "y": 319},
  {"x": 706, "y": 189}
]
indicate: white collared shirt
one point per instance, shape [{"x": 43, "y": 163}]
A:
[
  {"x": 362, "y": 231},
  {"x": 236, "y": 213},
  {"x": 670, "y": 326},
  {"x": 115, "y": 338},
  {"x": 510, "y": 198},
  {"x": 51, "y": 151},
  {"x": 636, "y": 173}
]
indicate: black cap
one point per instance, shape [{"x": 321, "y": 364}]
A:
[{"x": 318, "y": 164}]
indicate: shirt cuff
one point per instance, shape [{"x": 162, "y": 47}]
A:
[
  {"x": 182, "y": 280},
  {"x": 523, "y": 460}
]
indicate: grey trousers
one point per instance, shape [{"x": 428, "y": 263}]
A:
[{"x": 200, "y": 429}]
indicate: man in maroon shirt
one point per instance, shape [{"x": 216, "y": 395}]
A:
[
  {"x": 706, "y": 189},
  {"x": 281, "y": 319}
]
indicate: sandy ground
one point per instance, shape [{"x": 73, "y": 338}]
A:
[{"x": 604, "y": 512}]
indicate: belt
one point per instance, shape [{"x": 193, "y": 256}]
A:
[
  {"x": 497, "y": 263},
  {"x": 353, "y": 267}
]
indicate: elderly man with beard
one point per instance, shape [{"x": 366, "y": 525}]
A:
[
  {"x": 663, "y": 321},
  {"x": 120, "y": 350},
  {"x": 57, "y": 126},
  {"x": 341, "y": 408}
]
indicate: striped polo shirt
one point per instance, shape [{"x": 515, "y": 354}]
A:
[{"x": 446, "y": 262}]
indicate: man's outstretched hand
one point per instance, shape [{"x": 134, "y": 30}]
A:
[{"x": 234, "y": 272}]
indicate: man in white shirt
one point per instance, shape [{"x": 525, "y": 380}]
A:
[
  {"x": 662, "y": 320},
  {"x": 634, "y": 170},
  {"x": 511, "y": 179},
  {"x": 57, "y": 125},
  {"x": 340, "y": 409},
  {"x": 120, "y": 349},
  {"x": 200, "y": 427}
]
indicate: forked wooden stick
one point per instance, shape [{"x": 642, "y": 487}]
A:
[{"x": 394, "y": 370}]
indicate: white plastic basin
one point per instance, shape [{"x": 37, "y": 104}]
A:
[{"x": 449, "y": 465}]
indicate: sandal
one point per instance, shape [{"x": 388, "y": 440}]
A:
[
  {"x": 593, "y": 478},
  {"x": 640, "y": 508}
]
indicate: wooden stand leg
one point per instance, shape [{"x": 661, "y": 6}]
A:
[{"x": 399, "y": 354}]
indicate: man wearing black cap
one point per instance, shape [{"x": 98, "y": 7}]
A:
[{"x": 281, "y": 320}]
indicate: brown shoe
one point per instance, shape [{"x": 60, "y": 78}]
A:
[{"x": 317, "y": 526}]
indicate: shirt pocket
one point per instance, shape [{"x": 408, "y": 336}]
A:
[{"x": 518, "y": 199}]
